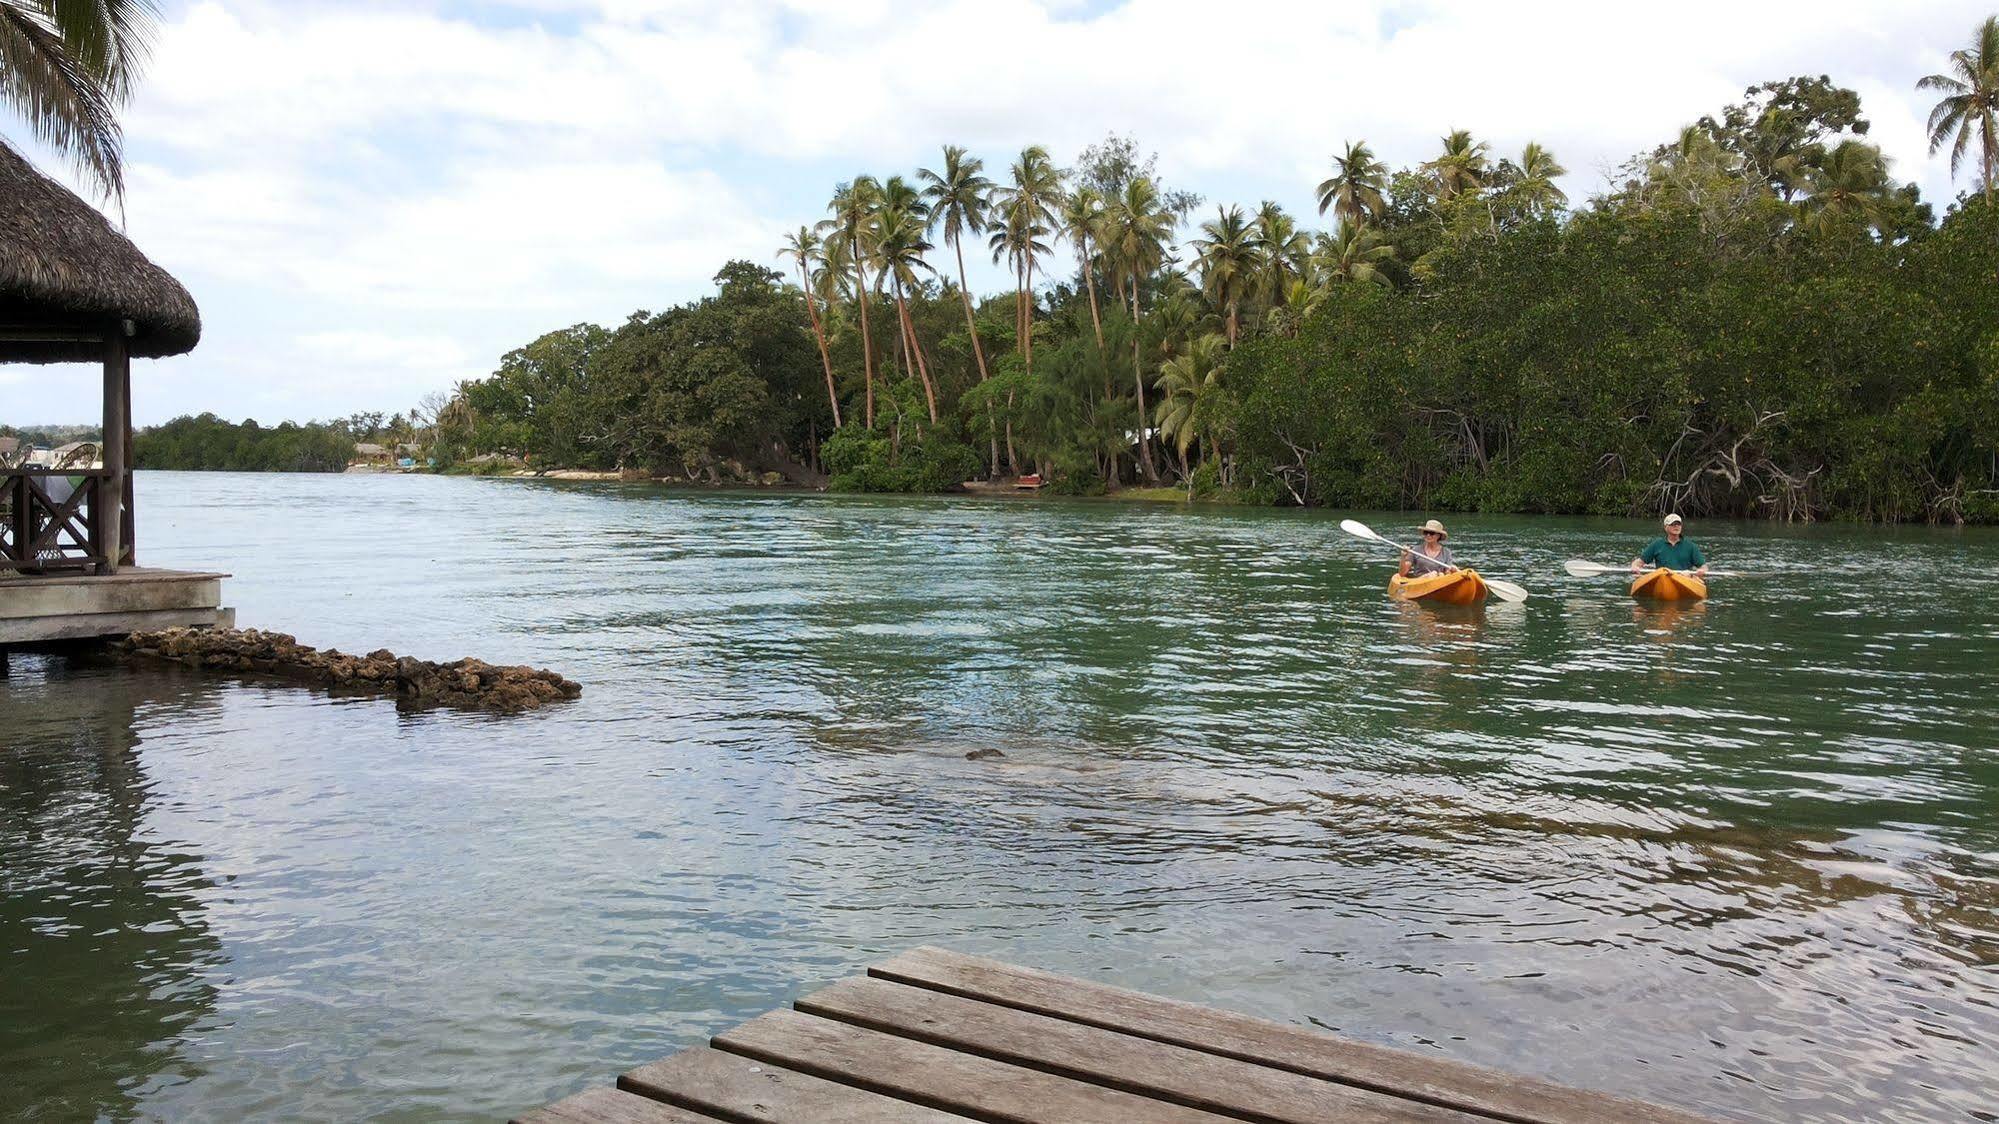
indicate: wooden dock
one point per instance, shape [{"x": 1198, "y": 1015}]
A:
[
  {"x": 36, "y": 609},
  {"x": 933, "y": 1036}
]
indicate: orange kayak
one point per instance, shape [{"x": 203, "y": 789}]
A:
[
  {"x": 1668, "y": 585},
  {"x": 1459, "y": 587}
]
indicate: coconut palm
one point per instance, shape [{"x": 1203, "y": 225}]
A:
[
  {"x": 1286, "y": 252},
  {"x": 66, "y": 67},
  {"x": 1186, "y": 383},
  {"x": 1848, "y": 185},
  {"x": 1138, "y": 226},
  {"x": 1029, "y": 202},
  {"x": 853, "y": 208},
  {"x": 899, "y": 248},
  {"x": 1970, "y": 105},
  {"x": 803, "y": 248},
  {"x": 1301, "y": 299},
  {"x": 1536, "y": 188},
  {"x": 1462, "y": 166},
  {"x": 1082, "y": 211},
  {"x": 1356, "y": 191},
  {"x": 1228, "y": 254},
  {"x": 1352, "y": 253},
  {"x": 958, "y": 198}
]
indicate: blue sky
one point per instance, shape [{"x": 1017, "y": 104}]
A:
[{"x": 373, "y": 200}]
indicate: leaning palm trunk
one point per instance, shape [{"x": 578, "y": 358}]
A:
[
  {"x": 916, "y": 348},
  {"x": 978, "y": 352},
  {"x": 819, "y": 333},
  {"x": 1027, "y": 318}
]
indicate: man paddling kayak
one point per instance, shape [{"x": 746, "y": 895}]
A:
[
  {"x": 1672, "y": 551},
  {"x": 1433, "y": 557}
]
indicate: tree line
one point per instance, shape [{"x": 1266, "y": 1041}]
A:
[
  {"x": 205, "y": 442},
  {"x": 1753, "y": 318}
]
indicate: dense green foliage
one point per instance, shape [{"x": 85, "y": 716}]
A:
[
  {"x": 1756, "y": 319},
  {"x": 209, "y": 443}
]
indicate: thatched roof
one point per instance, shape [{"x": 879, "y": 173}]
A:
[{"x": 64, "y": 269}]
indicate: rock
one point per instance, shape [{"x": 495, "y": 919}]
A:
[
  {"x": 772, "y": 479},
  {"x": 470, "y": 683},
  {"x": 983, "y": 754}
]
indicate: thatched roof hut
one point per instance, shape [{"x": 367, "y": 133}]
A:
[{"x": 67, "y": 278}]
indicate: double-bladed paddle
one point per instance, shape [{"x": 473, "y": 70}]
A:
[
  {"x": 1505, "y": 591},
  {"x": 1578, "y": 568}
]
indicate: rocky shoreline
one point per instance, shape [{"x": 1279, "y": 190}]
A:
[{"x": 467, "y": 683}]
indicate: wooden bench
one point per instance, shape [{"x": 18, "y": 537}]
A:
[{"x": 933, "y": 1036}]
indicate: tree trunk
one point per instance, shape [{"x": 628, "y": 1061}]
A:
[
  {"x": 867, "y": 341},
  {"x": 916, "y": 346},
  {"x": 1090, "y": 283},
  {"x": 971, "y": 324},
  {"x": 1027, "y": 324},
  {"x": 1138, "y": 377},
  {"x": 819, "y": 332}
]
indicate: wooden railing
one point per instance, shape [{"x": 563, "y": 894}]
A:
[{"x": 41, "y": 533}]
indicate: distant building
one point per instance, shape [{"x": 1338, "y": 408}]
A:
[{"x": 367, "y": 452}]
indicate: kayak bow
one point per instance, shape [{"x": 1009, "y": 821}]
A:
[
  {"x": 1663, "y": 584},
  {"x": 1458, "y": 587}
]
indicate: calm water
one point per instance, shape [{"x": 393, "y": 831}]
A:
[{"x": 1743, "y": 857}]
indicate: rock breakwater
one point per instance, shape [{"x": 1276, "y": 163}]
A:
[{"x": 466, "y": 683}]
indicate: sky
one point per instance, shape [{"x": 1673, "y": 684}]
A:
[{"x": 371, "y": 201}]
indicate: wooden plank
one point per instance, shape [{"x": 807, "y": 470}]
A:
[
  {"x": 609, "y": 1106},
  {"x": 736, "y": 1088},
  {"x": 1144, "y": 1066},
  {"x": 966, "y": 1084},
  {"x": 1398, "y": 1072}
]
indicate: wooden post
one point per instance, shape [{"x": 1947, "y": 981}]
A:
[
  {"x": 110, "y": 497},
  {"x": 131, "y": 518}
]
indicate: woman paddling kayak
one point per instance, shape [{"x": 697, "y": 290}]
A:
[
  {"x": 1432, "y": 557},
  {"x": 1429, "y": 573}
]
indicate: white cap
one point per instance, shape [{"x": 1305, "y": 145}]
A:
[{"x": 1673, "y": 518}]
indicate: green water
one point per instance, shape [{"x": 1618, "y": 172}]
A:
[{"x": 1742, "y": 857}]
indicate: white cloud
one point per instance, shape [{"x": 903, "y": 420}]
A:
[{"x": 380, "y": 198}]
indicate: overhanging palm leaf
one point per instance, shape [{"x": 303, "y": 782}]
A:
[{"x": 66, "y": 66}]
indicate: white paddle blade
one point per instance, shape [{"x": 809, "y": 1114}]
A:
[
  {"x": 1578, "y": 568},
  {"x": 1506, "y": 591},
  {"x": 1358, "y": 529}
]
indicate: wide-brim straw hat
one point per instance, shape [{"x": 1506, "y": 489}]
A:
[{"x": 1433, "y": 525}]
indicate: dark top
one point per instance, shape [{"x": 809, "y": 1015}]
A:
[{"x": 1685, "y": 556}]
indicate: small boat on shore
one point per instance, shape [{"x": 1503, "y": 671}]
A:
[
  {"x": 1663, "y": 584},
  {"x": 1457, "y": 587}
]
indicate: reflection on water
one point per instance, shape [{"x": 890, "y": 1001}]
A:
[
  {"x": 108, "y": 954},
  {"x": 1737, "y": 855}
]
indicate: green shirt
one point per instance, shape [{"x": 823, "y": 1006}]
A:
[{"x": 1685, "y": 556}]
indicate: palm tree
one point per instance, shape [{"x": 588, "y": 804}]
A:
[
  {"x": 1185, "y": 383},
  {"x": 1286, "y": 252},
  {"x": 1462, "y": 166},
  {"x": 1536, "y": 188},
  {"x": 1848, "y": 185},
  {"x": 1138, "y": 225},
  {"x": 1357, "y": 188},
  {"x": 803, "y": 249},
  {"x": 1081, "y": 213},
  {"x": 1970, "y": 104},
  {"x": 853, "y": 208},
  {"x": 1029, "y": 202},
  {"x": 899, "y": 247},
  {"x": 958, "y": 200},
  {"x": 1353, "y": 253},
  {"x": 66, "y": 67},
  {"x": 1228, "y": 254}
]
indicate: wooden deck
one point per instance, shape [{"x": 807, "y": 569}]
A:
[
  {"x": 933, "y": 1036},
  {"x": 38, "y": 608}
]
